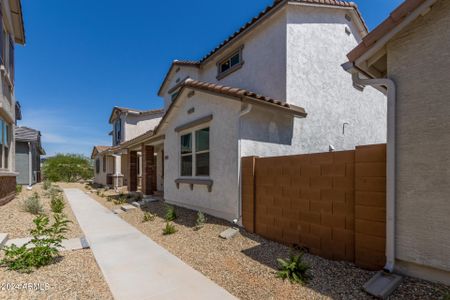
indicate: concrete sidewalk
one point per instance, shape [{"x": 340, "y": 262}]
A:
[{"x": 134, "y": 266}]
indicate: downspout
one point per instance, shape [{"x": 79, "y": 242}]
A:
[
  {"x": 391, "y": 160},
  {"x": 243, "y": 112},
  {"x": 30, "y": 166}
]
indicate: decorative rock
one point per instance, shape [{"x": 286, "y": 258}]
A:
[
  {"x": 127, "y": 207},
  {"x": 229, "y": 233},
  {"x": 117, "y": 211},
  {"x": 3, "y": 239},
  {"x": 84, "y": 243},
  {"x": 138, "y": 204}
]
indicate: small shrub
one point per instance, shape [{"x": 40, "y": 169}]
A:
[
  {"x": 102, "y": 195},
  {"x": 121, "y": 200},
  {"x": 47, "y": 185},
  {"x": 446, "y": 296},
  {"x": 293, "y": 269},
  {"x": 169, "y": 229},
  {"x": 18, "y": 189},
  {"x": 33, "y": 205},
  {"x": 148, "y": 217},
  {"x": 57, "y": 204},
  {"x": 170, "y": 213},
  {"x": 53, "y": 192},
  {"x": 201, "y": 220},
  {"x": 43, "y": 247}
]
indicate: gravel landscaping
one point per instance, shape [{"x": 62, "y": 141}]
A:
[
  {"x": 74, "y": 275},
  {"x": 246, "y": 264}
]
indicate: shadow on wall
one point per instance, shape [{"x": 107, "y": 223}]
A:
[{"x": 266, "y": 126}]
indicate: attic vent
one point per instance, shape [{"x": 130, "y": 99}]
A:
[
  {"x": 177, "y": 70},
  {"x": 348, "y": 17}
]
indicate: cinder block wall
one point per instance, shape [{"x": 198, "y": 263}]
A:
[{"x": 323, "y": 202}]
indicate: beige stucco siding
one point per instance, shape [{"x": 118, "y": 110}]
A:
[{"x": 419, "y": 63}]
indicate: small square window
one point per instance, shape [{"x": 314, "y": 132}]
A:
[{"x": 230, "y": 64}]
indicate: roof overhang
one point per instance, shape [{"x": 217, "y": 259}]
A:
[
  {"x": 17, "y": 21},
  {"x": 370, "y": 56}
]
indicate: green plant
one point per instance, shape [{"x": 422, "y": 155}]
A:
[
  {"x": 53, "y": 192},
  {"x": 201, "y": 220},
  {"x": 122, "y": 199},
  {"x": 169, "y": 229},
  {"x": 170, "y": 213},
  {"x": 47, "y": 184},
  {"x": 446, "y": 296},
  {"x": 57, "y": 204},
  {"x": 43, "y": 247},
  {"x": 18, "y": 189},
  {"x": 293, "y": 269},
  {"x": 148, "y": 217},
  {"x": 68, "y": 168},
  {"x": 33, "y": 205}
]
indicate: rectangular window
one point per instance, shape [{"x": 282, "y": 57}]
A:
[
  {"x": 202, "y": 152},
  {"x": 186, "y": 155},
  {"x": 195, "y": 153},
  {"x": 104, "y": 164},
  {"x": 5, "y": 142},
  {"x": 118, "y": 131},
  {"x": 97, "y": 166},
  {"x": 230, "y": 64}
]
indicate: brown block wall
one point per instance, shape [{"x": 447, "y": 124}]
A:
[
  {"x": 309, "y": 200},
  {"x": 370, "y": 206},
  {"x": 7, "y": 189}
]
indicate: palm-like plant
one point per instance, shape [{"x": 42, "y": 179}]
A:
[{"x": 293, "y": 269}]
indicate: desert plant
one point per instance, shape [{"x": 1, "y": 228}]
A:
[
  {"x": 201, "y": 220},
  {"x": 170, "y": 213},
  {"x": 57, "y": 204},
  {"x": 446, "y": 296},
  {"x": 120, "y": 200},
  {"x": 53, "y": 192},
  {"x": 169, "y": 229},
  {"x": 43, "y": 247},
  {"x": 47, "y": 184},
  {"x": 148, "y": 217},
  {"x": 18, "y": 189},
  {"x": 293, "y": 269},
  {"x": 33, "y": 205}
]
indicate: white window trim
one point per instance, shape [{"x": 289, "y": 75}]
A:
[
  {"x": 5, "y": 147},
  {"x": 192, "y": 131}
]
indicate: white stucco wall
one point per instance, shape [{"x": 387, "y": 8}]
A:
[
  {"x": 100, "y": 177},
  {"x": 222, "y": 201},
  {"x": 317, "y": 44},
  {"x": 177, "y": 74},
  {"x": 136, "y": 125},
  {"x": 419, "y": 63}
]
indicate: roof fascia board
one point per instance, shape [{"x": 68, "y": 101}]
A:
[{"x": 387, "y": 37}]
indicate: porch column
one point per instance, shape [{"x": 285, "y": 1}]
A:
[
  {"x": 133, "y": 170},
  {"x": 148, "y": 170},
  {"x": 117, "y": 170}
]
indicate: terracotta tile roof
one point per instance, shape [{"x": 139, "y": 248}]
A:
[
  {"x": 186, "y": 63},
  {"x": 98, "y": 150},
  {"x": 394, "y": 19},
  {"x": 136, "y": 111},
  {"x": 240, "y": 93},
  {"x": 270, "y": 8}
]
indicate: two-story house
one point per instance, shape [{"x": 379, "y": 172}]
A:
[
  {"x": 11, "y": 32},
  {"x": 274, "y": 87},
  {"x": 111, "y": 167}
]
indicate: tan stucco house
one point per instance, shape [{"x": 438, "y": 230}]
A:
[
  {"x": 408, "y": 56},
  {"x": 12, "y": 32},
  {"x": 126, "y": 125}
]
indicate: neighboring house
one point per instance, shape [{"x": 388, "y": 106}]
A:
[
  {"x": 275, "y": 87},
  {"x": 28, "y": 155},
  {"x": 126, "y": 124},
  {"x": 409, "y": 53},
  {"x": 11, "y": 32}
]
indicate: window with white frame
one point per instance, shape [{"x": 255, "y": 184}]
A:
[
  {"x": 195, "y": 153},
  {"x": 5, "y": 140},
  {"x": 117, "y": 131},
  {"x": 231, "y": 63}
]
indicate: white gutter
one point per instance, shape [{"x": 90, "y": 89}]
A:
[
  {"x": 244, "y": 112},
  {"x": 30, "y": 166},
  {"x": 391, "y": 156}
]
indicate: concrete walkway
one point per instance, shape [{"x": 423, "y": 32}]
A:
[{"x": 134, "y": 266}]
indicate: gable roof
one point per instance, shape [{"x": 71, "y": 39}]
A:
[
  {"x": 277, "y": 4},
  {"x": 99, "y": 149},
  {"x": 395, "y": 18},
  {"x": 229, "y": 92},
  {"x": 26, "y": 134},
  {"x": 134, "y": 111}
]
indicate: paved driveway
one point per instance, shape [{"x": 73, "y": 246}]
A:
[{"x": 134, "y": 266}]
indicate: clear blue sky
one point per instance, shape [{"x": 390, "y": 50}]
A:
[{"x": 84, "y": 57}]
